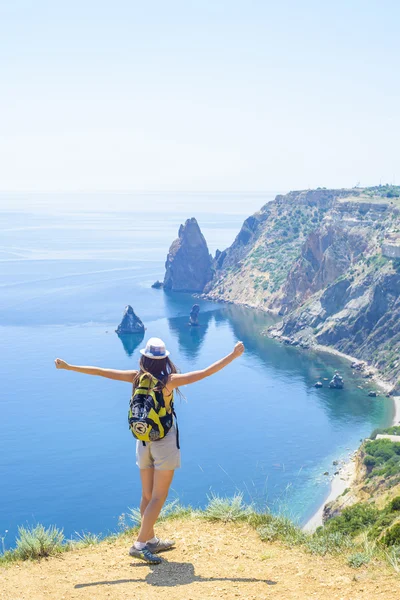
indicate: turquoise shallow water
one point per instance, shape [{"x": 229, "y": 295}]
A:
[{"x": 66, "y": 455}]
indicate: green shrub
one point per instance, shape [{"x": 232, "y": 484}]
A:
[
  {"x": 382, "y": 457},
  {"x": 394, "y": 430},
  {"x": 395, "y": 503},
  {"x": 370, "y": 461},
  {"x": 87, "y": 539},
  {"x": 354, "y": 519},
  {"x": 226, "y": 509},
  {"x": 8, "y": 556},
  {"x": 282, "y": 528},
  {"x": 322, "y": 542},
  {"x": 392, "y": 537},
  {"x": 390, "y": 468},
  {"x": 36, "y": 542},
  {"x": 358, "y": 559},
  {"x": 382, "y": 523},
  {"x": 392, "y": 556}
]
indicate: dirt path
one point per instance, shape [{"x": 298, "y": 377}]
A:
[{"x": 210, "y": 561}]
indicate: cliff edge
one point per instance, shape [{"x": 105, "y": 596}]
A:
[{"x": 211, "y": 560}]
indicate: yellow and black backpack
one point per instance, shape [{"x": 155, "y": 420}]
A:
[{"x": 148, "y": 418}]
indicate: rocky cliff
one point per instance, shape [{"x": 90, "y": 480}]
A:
[
  {"x": 189, "y": 263},
  {"x": 327, "y": 262}
]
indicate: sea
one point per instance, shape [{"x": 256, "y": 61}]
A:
[{"x": 69, "y": 264}]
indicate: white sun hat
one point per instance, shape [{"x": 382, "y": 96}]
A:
[{"x": 155, "y": 348}]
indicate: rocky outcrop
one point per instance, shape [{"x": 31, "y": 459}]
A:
[
  {"x": 326, "y": 254},
  {"x": 326, "y": 262},
  {"x": 189, "y": 263},
  {"x": 360, "y": 318},
  {"x": 194, "y": 315},
  {"x": 157, "y": 285},
  {"x": 130, "y": 322},
  {"x": 243, "y": 243},
  {"x": 391, "y": 246},
  {"x": 336, "y": 382}
]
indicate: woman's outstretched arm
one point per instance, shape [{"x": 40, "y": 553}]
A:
[
  {"x": 109, "y": 373},
  {"x": 178, "y": 379}
]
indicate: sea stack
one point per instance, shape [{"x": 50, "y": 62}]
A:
[
  {"x": 189, "y": 263},
  {"x": 130, "y": 322},
  {"x": 194, "y": 315},
  {"x": 336, "y": 382}
]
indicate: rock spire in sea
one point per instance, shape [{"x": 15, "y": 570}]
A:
[
  {"x": 194, "y": 315},
  {"x": 189, "y": 263},
  {"x": 130, "y": 322}
]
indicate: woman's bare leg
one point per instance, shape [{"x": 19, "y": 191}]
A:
[
  {"x": 161, "y": 483},
  {"x": 147, "y": 478}
]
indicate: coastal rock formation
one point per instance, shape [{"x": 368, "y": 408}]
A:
[
  {"x": 336, "y": 382},
  {"x": 327, "y": 262},
  {"x": 157, "y": 285},
  {"x": 130, "y": 322},
  {"x": 194, "y": 315},
  {"x": 189, "y": 263},
  {"x": 326, "y": 254},
  {"x": 391, "y": 245}
]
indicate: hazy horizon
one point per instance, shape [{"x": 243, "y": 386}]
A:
[
  {"x": 189, "y": 203},
  {"x": 177, "y": 96}
]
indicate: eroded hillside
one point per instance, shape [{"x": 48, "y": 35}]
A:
[{"x": 328, "y": 262}]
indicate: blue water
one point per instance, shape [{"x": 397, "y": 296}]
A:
[{"x": 66, "y": 455}]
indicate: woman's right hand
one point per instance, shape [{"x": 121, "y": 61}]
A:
[
  {"x": 60, "y": 364},
  {"x": 238, "y": 349}
]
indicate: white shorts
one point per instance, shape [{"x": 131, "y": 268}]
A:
[{"x": 162, "y": 454}]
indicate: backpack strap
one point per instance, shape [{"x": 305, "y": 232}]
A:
[
  {"x": 152, "y": 382},
  {"x": 177, "y": 428},
  {"x": 149, "y": 388}
]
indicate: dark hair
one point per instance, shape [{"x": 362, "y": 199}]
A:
[{"x": 160, "y": 368}]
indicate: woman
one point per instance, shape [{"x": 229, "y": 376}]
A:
[{"x": 156, "y": 460}]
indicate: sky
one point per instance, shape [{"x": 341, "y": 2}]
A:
[{"x": 205, "y": 95}]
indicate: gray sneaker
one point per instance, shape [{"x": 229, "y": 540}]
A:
[
  {"x": 145, "y": 555},
  {"x": 160, "y": 546}
]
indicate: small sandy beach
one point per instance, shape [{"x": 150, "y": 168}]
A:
[
  {"x": 339, "y": 483},
  {"x": 345, "y": 478},
  {"x": 347, "y": 472}
]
